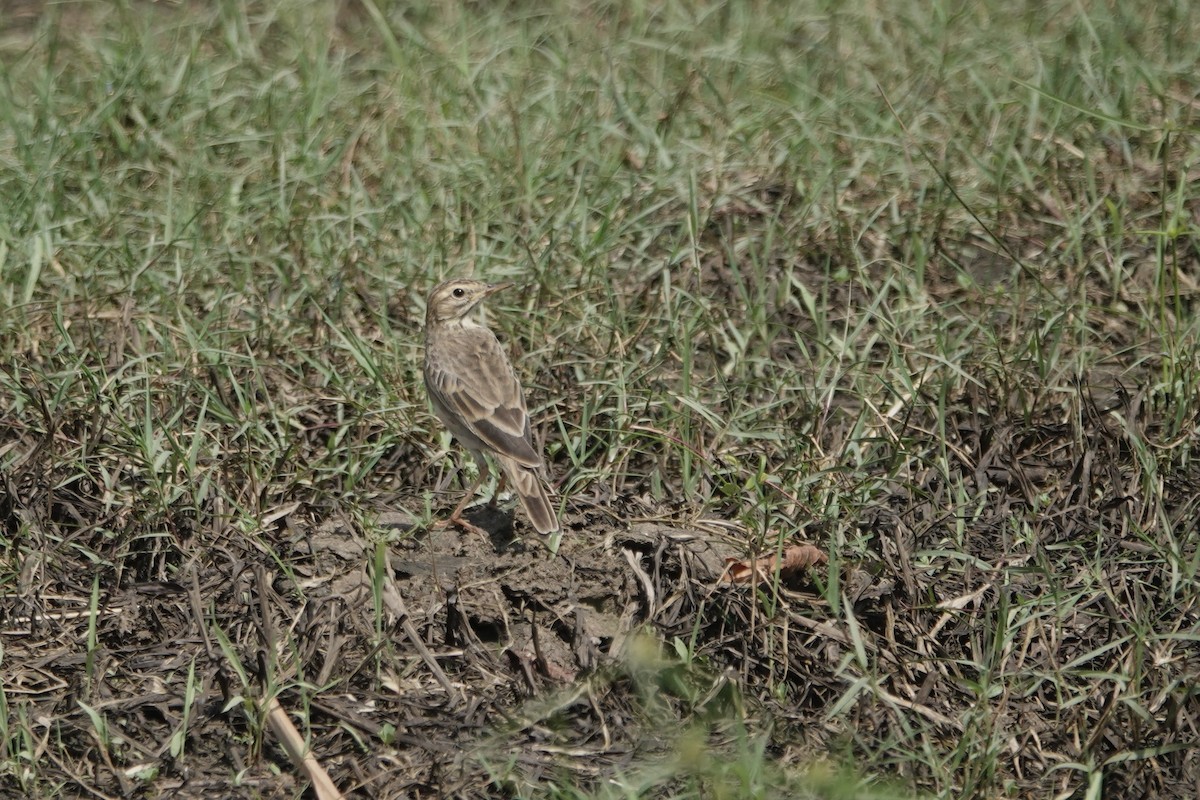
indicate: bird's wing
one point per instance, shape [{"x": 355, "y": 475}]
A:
[{"x": 474, "y": 381}]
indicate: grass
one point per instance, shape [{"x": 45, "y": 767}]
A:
[{"x": 915, "y": 284}]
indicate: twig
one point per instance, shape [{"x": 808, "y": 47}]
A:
[{"x": 299, "y": 752}]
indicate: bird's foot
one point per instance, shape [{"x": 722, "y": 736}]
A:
[{"x": 462, "y": 524}]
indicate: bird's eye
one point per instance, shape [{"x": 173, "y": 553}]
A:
[{"x": 459, "y": 292}]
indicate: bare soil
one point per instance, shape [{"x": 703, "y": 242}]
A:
[{"x": 475, "y": 628}]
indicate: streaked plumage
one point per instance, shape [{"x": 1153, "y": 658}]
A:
[{"x": 476, "y": 394}]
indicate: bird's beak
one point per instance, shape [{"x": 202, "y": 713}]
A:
[{"x": 496, "y": 287}]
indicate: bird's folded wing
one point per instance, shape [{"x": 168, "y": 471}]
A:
[{"x": 479, "y": 387}]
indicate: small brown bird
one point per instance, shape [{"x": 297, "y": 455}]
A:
[{"x": 477, "y": 396}]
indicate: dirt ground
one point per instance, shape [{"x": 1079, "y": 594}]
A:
[{"x": 470, "y": 652}]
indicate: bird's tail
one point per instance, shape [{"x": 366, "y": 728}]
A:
[{"x": 534, "y": 497}]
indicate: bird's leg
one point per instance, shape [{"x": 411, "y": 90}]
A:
[
  {"x": 499, "y": 488},
  {"x": 456, "y": 517}
]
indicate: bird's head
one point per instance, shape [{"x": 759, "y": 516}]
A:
[{"x": 453, "y": 300}]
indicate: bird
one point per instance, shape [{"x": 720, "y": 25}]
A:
[{"x": 477, "y": 396}]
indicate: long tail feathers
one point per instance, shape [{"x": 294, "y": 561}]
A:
[{"x": 529, "y": 487}]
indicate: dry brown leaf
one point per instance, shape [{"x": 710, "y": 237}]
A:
[{"x": 757, "y": 570}]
